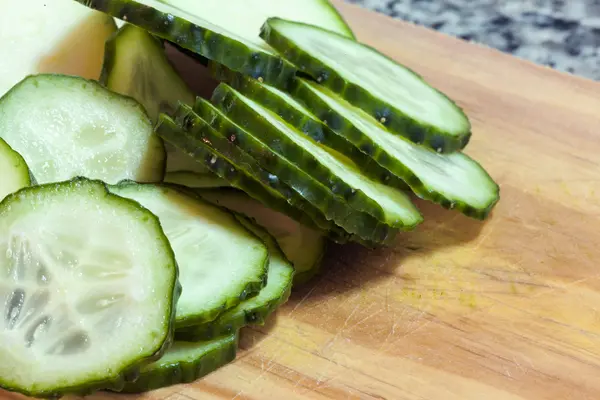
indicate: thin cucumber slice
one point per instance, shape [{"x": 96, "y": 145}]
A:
[
  {"x": 391, "y": 93},
  {"x": 243, "y": 171},
  {"x": 200, "y": 143},
  {"x": 136, "y": 65},
  {"x": 303, "y": 246},
  {"x": 180, "y": 162},
  {"x": 195, "y": 181},
  {"x": 295, "y": 114},
  {"x": 331, "y": 207},
  {"x": 89, "y": 287},
  {"x": 451, "y": 180},
  {"x": 334, "y": 171},
  {"x": 14, "y": 170},
  {"x": 254, "y": 311},
  {"x": 104, "y": 135},
  {"x": 188, "y": 24},
  {"x": 220, "y": 262},
  {"x": 60, "y": 36},
  {"x": 185, "y": 362}
]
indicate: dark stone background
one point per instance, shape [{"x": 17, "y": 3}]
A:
[{"x": 562, "y": 34}]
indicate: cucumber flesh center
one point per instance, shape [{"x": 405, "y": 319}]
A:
[
  {"x": 379, "y": 75},
  {"x": 73, "y": 286},
  {"x": 453, "y": 175},
  {"x": 395, "y": 204}
]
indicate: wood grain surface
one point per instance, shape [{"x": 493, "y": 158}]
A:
[{"x": 459, "y": 309}]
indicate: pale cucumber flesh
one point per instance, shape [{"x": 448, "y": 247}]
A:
[
  {"x": 303, "y": 246},
  {"x": 88, "y": 289},
  {"x": 220, "y": 262},
  {"x": 58, "y": 36},
  {"x": 106, "y": 136},
  {"x": 14, "y": 170}
]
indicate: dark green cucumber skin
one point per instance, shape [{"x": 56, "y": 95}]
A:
[
  {"x": 132, "y": 372},
  {"x": 217, "y": 121},
  {"x": 343, "y": 126},
  {"x": 395, "y": 120},
  {"x": 354, "y": 222},
  {"x": 214, "y": 46},
  {"x": 184, "y": 372},
  {"x": 228, "y": 102},
  {"x": 311, "y": 127},
  {"x": 251, "y": 288},
  {"x": 237, "y": 177},
  {"x": 275, "y": 191}
]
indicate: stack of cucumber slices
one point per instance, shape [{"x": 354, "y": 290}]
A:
[{"x": 142, "y": 226}]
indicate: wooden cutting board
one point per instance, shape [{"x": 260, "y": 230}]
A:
[{"x": 459, "y": 309}]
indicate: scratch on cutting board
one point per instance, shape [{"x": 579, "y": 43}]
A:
[{"x": 304, "y": 298}]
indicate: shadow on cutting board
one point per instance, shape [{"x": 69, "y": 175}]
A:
[{"x": 350, "y": 266}]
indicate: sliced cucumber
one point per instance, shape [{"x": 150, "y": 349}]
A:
[
  {"x": 391, "y": 93},
  {"x": 88, "y": 283},
  {"x": 295, "y": 114},
  {"x": 135, "y": 64},
  {"x": 239, "y": 169},
  {"x": 60, "y": 36},
  {"x": 227, "y": 32},
  {"x": 14, "y": 170},
  {"x": 303, "y": 246},
  {"x": 351, "y": 222},
  {"x": 220, "y": 262},
  {"x": 253, "y": 311},
  {"x": 451, "y": 180},
  {"x": 185, "y": 362},
  {"x": 180, "y": 162},
  {"x": 193, "y": 180},
  {"x": 105, "y": 135},
  {"x": 332, "y": 170}
]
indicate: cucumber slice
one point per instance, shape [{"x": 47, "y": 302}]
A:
[
  {"x": 451, "y": 180},
  {"x": 60, "y": 36},
  {"x": 106, "y": 136},
  {"x": 391, "y": 93},
  {"x": 303, "y": 246},
  {"x": 220, "y": 262},
  {"x": 226, "y": 32},
  {"x": 330, "y": 207},
  {"x": 15, "y": 173},
  {"x": 135, "y": 64},
  {"x": 193, "y": 180},
  {"x": 89, "y": 287},
  {"x": 185, "y": 362},
  {"x": 332, "y": 170},
  {"x": 253, "y": 311},
  {"x": 199, "y": 143},
  {"x": 295, "y": 114}
]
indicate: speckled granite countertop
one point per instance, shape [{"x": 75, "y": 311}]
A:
[{"x": 563, "y": 34}]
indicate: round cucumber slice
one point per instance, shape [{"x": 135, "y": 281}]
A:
[
  {"x": 88, "y": 288},
  {"x": 303, "y": 246},
  {"x": 186, "y": 362},
  {"x": 221, "y": 263},
  {"x": 106, "y": 136},
  {"x": 256, "y": 310},
  {"x": 14, "y": 170}
]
